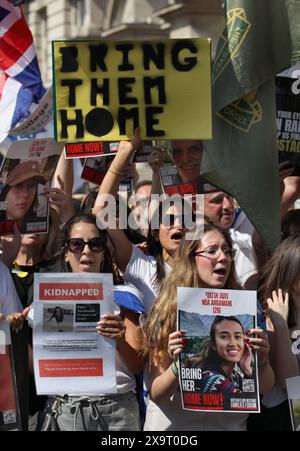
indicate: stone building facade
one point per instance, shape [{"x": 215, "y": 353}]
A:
[{"x": 118, "y": 19}]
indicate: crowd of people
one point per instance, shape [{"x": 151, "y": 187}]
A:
[{"x": 155, "y": 261}]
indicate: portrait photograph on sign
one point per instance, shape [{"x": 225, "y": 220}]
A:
[
  {"x": 25, "y": 180},
  {"x": 218, "y": 370}
]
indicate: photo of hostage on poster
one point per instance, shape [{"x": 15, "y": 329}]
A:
[
  {"x": 69, "y": 354},
  {"x": 95, "y": 169},
  {"x": 288, "y": 122},
  {"x": 218, "y": 369},
  {"x": 293, "y": 388},
  {"x": 25, "y": 180},
  {"x": 9, "y": 410},
  {"x": 180, "y": 166}
]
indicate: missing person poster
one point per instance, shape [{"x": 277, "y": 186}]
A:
[
  {"x": 179, "y": 176},
  {"x": 288, "y": 122},
  {"x": 70, "y": 357},
  {"x": 293, "y": 388},
  {"x": 105, "y": 89},
  {"x": 95, "y": 169},
  {"x": 25, "y": 179},
  {"x": 9, "y": 409},
  {"x": 217, "y": 369}
]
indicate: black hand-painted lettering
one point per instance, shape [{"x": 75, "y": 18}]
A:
[
  {"x": 97, "y": 57},
  {"x": 189, "y": 61},
  {"x": 102, "y": 90},
  {"x": 69, "y": 59},
  {"x": 154, "y": 52},
  {"x": 157, "y": 82},
  {"x": 66, "y": 122},
  {"x": 125, "y": 49},
  {"x": 124, "y": 90},
  {"x": 151, "y": 121},
  {"x": 124, "y": 115},
  {"x": 71, "y": 84},
  {"x": 99, "y": 122}
]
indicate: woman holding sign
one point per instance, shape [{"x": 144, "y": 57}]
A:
[
  {"x": 204, "y": 263},
  {"x": 145, "y": 270},
  {"x": 87, "y": 250}
]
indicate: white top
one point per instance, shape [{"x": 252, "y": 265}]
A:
[
  {"x": 244, "y": 261},
  {"x": 9, "y": 299},
  {"x": 141, "y": 272},
  {"x": 243, "y": 225}
]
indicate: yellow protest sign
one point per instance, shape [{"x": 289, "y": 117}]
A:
[{"x": 105, "y": 89}]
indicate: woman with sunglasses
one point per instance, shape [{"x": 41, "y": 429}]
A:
[
  {"x": 204, "y": 263},
  {"x": 87, "y": 251},
  {"x": 146, "y": 271}
]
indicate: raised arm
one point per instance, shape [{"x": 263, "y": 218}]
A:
[
  {"x": 109, "y": 186},
  {"x": 284, "y": 362},
  {"x": 64, "y": 175}
]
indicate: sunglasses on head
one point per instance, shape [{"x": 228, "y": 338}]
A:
[{"x": 76, "y": 245}]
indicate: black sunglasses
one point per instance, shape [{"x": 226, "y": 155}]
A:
[{"x": 76, "y": 245}]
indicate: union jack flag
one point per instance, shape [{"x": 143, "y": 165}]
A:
[{"x": 20, "y": 78}]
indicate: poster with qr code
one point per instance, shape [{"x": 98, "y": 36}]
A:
[
  {"x": 25, "y": 181},
  {"x": 9, "y": 411},
  {"x": 217, "y": 366},
  {"x": 179, "y": 173}
]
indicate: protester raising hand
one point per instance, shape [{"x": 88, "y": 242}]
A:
[
  {"x": 278, "y": 306},
  {"x": 61, "y": 201}
]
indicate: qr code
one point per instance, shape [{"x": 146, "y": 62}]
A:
[
  {"x": 248, "y": 386},
  {"x": 9, "y": 416}
]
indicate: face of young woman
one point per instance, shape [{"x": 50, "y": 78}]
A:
[
  {"x": 20, "y": 198},
  {"x": 87, "y": 260},
  {"x": 171, "y": 230},
  {"x": 34, "y": 240},
  {"x": 229, "y": 341},
  {"x": 212, "y": 262}
]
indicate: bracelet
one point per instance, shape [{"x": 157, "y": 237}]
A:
[
  {"x": 174, "y": 369},
  {"x": 115, "y": 172}
]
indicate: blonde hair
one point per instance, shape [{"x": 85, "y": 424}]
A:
[{"x": 162, "y": 317}]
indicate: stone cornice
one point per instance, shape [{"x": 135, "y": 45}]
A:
[
  {"x": 136, "y": 28},
  {"x": 213, "y": 7}
]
